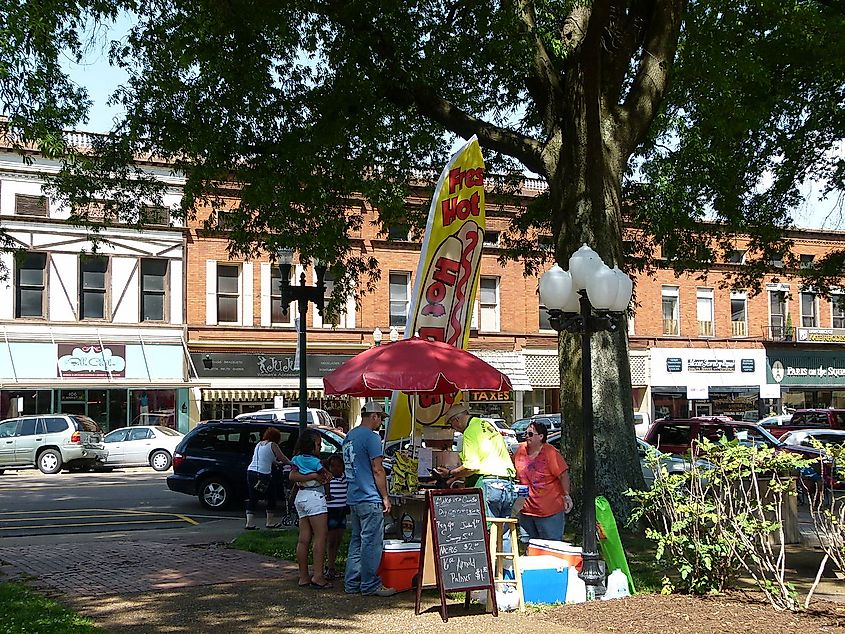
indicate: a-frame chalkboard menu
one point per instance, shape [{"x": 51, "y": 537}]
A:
[{"x": 455, "y": 549}]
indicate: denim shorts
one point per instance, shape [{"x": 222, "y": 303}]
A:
[{"x": 310, "y": 502}]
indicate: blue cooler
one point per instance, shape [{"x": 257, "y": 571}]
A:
[{"x": 544, "y": 578}]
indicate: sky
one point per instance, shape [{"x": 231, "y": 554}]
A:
[{"x": 101, "y": 79}]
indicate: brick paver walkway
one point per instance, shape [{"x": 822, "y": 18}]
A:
[{"x": 126, "y": 567}]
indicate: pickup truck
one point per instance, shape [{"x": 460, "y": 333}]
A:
[{"x": 809, "y": 419}]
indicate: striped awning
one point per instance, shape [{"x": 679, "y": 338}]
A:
[{"x": 255, "y": 395}]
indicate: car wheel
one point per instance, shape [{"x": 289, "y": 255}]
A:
[
  {"x": 215, "y": 493},
  {"x": 160, "y": 460},
  {"x": 50, "y": 461}
]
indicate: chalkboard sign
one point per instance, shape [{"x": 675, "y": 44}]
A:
[
  {"x": 455, "y": 549},
  {"x": 462, "y": 550}
]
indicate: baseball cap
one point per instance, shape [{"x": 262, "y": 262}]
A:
[
  {"x": 373, "y": 407},
  {"x": 455, "y": 410}
]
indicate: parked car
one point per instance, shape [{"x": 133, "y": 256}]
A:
[
  {"x": 51, "y": 442},
  {"x": 211, "y": 460},
  {"x": 142, "y": 445},
  {"x": 290, "y": 415},
  {"x": 642, "y": 421},
  {"x": 775, "y": 421},
  {"x": 159, "y": 419},
  {"x": 551, "y": 421},
  {"x": 811, "y": 419},
  {"x": 805, "y": 437}
]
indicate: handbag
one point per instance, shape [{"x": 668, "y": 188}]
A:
[{"x": 261, "y": 486}]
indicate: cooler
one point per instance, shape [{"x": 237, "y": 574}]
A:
[
  {"x": 561, "y": 550},
  {"x": 399, "y": 564},
  {"x": 544, "y": 578}
]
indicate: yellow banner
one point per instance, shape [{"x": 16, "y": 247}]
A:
[{"x": 446, "y": 279}]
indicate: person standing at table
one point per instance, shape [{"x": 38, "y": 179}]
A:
[
  {"x": 485, "y": 463},
  {"x": 368, "y": 501},
  {"x": 543, "y": 469}
]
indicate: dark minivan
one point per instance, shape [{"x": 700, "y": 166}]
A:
[{"x": 212, "y": 459}]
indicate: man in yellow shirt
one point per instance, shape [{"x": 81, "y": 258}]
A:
[{"x": 485, "y": 462}]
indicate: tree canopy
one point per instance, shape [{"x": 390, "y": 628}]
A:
[{"x": 698, "y": 121}]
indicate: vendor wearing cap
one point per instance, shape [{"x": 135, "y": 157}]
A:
[{"x": 485, "y": 461}]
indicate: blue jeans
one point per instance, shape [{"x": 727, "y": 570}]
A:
[
  {"x": 366, "y": 543},
  {"x": 533, "y": 527},
  {"x": 499, "y": 496}
]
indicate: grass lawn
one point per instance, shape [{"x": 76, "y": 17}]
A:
[
  {"x": 26, "y": 612},
  {"x": 281, "y": 544}
]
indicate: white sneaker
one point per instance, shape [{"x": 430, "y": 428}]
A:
[{"x": 383, "y": 592}]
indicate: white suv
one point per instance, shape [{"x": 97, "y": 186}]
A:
[
  {"x": 290, "y": 415},
  {"x": 50, "y": 442}
]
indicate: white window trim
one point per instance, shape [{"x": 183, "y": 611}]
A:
[
  {"x": 240, "y": 308},
  {"x": 672, "y": 292},
  {"x": 816, "y": 317},
  {"x": 346, "y": 319},
  {"x": 408, "y": 291},
  {"x": 496, "y": 306},
  {"x": 834, "y": 298}
]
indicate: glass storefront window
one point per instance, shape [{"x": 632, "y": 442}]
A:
[
  {"x": 153, "y": 407},
  {"x": 17, "y": 402}
]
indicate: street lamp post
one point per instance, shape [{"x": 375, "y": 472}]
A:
[
  {"x": 301, "y": 294},
  {"x": 588, "y": 298}
]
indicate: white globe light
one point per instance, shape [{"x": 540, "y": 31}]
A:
[
  {"x": 582, "y": 264},
  {"x": 624, "y": 293},
  {"x": 555, "y": 287},
  {"x": 602, "y": 288},
  {"x": 573, "y": 302}
]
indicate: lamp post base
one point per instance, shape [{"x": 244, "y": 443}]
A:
[{"x": 592, "y": 574}]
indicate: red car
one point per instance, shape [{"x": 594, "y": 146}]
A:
[{"x": 810, "y": 419}]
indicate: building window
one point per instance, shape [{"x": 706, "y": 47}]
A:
[
  {"x": 29, "y": 285},
  {"x": 777, "y": 313},
  {"x": 93, "y": 274},
  {"x": 398, "y": 232},
  {"x": 31, "y": 205},
  {"x": 809, "y": 314},
  {"x": 399, "y": 296},
  {"x": 704, "y": 311},
  {"x": 491, "y": 238},
  {"x": 153, "y": 289},
  {"x": 155, "y": 216},
  {"x": 736, "y": 256},
  {"x": 739, "y": 315},
  {"x": 277, "y": 317},
  {"x": 806, "y": 260},
  {"x": 671, "y": 321},
  {"x": 776, "y": 262},
  {"x": 838, "y": 305},
  {"x": 488, "y": 304},
  {"x": 225, "y": 221},
  {"x": 228, "y": 293},
  {"x": 544, "y": 319}
]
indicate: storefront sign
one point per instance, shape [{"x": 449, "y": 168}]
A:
[
  {"x": 821, "y": 335},
  {"x": 711, "y": 365},
  {"x": 746, "y": 365},
  {"x": 262, "y": 366},
  {"x": 698, "y": 392},
  {"x": 819, "y": 368},
  {"x": 91, "y": 361},
  {"x": 489, "y": 396},
  {"x": 674, "y": 364}
]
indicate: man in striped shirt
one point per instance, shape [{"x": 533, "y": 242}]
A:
[{"x": 336, "y": 503}]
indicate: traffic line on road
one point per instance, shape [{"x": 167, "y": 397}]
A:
[{"x": 89, "y": 524}]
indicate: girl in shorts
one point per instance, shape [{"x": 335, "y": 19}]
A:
[
  {"x": 310, "y": 503},
  {"x": 336, "y": 502}
]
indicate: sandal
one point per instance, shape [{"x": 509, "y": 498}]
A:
[
  {"x": 276, "y": 525},
  {"x": 330, "y": 574},
  {"x": 251, "y": 528},
  {"x": 304, "y": 585},
  {"x": 316, "y": 586}
]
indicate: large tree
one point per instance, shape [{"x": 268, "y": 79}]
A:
[{"x": 305, "y": 106}]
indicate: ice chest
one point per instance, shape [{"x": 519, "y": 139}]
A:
[
  {"x": 544, "y": 578},
  {"x": 561, "y": 550},
  {"x": 400, "y": 562}
]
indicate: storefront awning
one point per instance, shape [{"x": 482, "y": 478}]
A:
[
  {"x": 511, "y": 364},
  {"x": 254, "y": 395}
]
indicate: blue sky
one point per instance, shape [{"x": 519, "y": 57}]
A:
[{"x": 101, "y": 79}]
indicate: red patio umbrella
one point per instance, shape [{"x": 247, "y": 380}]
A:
[{"x": 414, "y": 366}]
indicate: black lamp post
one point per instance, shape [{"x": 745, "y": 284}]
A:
[
  {"x": 301, "y": 294},
  {"x": 567, "y": 297}
]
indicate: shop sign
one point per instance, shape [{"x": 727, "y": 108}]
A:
[
  {"x": 823, "y": 368},
  {"x": 674, "y": 364},
  {"x": 262, "y": 366},
  {"x": 746, "y": 365},
  {"x": 91, "y": 361},
  {"x": 711, "y": 365},
  {"x": 489, "y": 396},
  {"x": 821, "y": 335}
]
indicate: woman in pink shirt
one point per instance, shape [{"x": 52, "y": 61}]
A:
[{"x": 543, "y": 469}]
